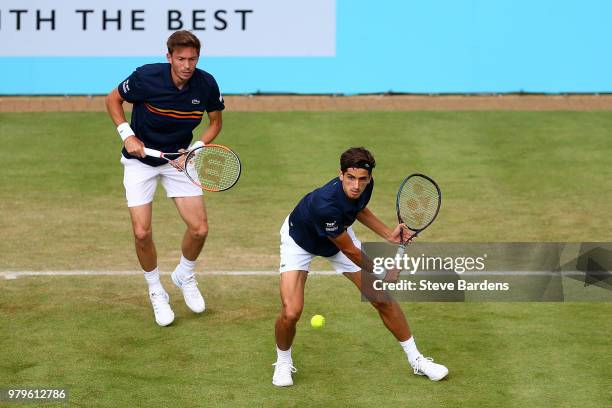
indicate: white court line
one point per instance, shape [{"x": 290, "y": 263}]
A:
[{"x": 19, "y": 274}]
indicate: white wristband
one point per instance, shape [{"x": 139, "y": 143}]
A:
[
  {"x": 196, "y": 144},
  {"x": 125, "y": 131}
]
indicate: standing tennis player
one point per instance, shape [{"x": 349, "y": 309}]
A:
[
  {"x": 320, "y": 225},
  {"x": 169, "y": 101}
]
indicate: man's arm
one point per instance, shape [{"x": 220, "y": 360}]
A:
[
  {"x": 214, "y": 127},
  {"x": 348, "y": 248},
  {"x": 114, "y": 106},
  {"x": 370, "y": 220}
]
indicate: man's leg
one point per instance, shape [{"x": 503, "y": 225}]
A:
[
  {"x": 394, "y": 319},
  {"x": 391, "y": 314},
  {"x": 193, "y": 212},
  {"x": 147, "y": 256},
  {"x": 292, "y": 299},
  {"x": 143, "y": 236}
]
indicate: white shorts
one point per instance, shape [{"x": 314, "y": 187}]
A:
[
  {"x": 295, "y": 258},
  {"x": 140, "y": 181}
]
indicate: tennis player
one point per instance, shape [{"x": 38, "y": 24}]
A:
[
  {"x": 169, "y": 101},
  {"x": 320, "y": 225}
]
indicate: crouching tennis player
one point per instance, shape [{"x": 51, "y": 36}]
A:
[{"x": 320, "y": 225}]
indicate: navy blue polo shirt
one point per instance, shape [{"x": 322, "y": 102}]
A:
[
  {"x": 163, "y": 116},
  {"x": 323, "y": 213}
]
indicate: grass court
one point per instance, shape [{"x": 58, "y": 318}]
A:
[{"x": 505, "y": 176}]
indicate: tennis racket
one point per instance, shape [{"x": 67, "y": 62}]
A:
[
  {"x": 418, "y": 203},
  {"x": 211, "y": 167}
]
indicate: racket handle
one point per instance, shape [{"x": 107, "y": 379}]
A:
[
  {"x": 402, "y": 247},
  {"x": 153, "y": 152}
]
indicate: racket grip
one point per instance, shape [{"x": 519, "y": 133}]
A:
[
  {"x": 153, "y": 152},
  {"x": 401, "y": 248}
]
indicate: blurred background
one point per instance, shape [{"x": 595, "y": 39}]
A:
[{"x": 71, "y": 47}]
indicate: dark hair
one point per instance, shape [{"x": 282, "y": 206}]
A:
[
  {"x": 357, "y": 157},
  {"x": 182, "y": 38}
]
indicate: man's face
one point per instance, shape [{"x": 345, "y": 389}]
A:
[
  {"x": 354, "y": 181},
  {"x": 183, "y": 62}
]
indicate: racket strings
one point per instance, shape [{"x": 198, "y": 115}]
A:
[
  {"x": 214, "y": 168},
  {"x": 418, "y": 203}
]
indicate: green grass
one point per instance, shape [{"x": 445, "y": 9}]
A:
[
  {"x": 505, "y": 176},
  {"x": 96, "y": 336}
]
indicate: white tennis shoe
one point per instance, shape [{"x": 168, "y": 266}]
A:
[
  {"x": 191, "y": 293},
  {"x": 283, "y": 374},
  {"x": 426, "y": 366},
  {"x": 163, "y": 313}
]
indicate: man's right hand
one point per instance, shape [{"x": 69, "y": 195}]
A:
[{"x": 134, "y": 146}]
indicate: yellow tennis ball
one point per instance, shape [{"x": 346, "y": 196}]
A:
[{"x": 317, "y": 321}]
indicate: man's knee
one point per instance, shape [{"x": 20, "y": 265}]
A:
[
  {"x": 142, "y": 234},
  {"x": 291, "y": 313},
  {"x": 199, "y": 231}
]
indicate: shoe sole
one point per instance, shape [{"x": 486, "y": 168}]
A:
[
  {"x": 282, "y": 385},
  {"x": 164, "y": 325},
  {"x": 435, "y": 378}
]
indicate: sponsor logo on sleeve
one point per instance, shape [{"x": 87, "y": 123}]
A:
[
  {"x": 331, "y": 226},
  {"x": 126, "y": 86}
]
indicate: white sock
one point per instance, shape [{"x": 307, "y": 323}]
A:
[
  {"x": 410, "y": 349},
  {"x": 152, "y": 279},
  {"x": 283, "y": 355},
  {"x": 185, "y": 267}
]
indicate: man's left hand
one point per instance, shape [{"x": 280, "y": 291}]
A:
[
  {"x": 400, "y": 234},
  {"x": 392, "y": 275}
]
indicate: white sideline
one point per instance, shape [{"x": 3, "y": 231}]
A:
[{"x": 19, "y": 274}]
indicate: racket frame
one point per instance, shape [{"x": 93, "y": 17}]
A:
[
  {"x": 194, "y": 152},
  {"x": 402, "y": 246},
  {"x": 190, "y": 154}
]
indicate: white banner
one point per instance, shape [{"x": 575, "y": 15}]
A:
[{"x": 234, "y": 28}]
